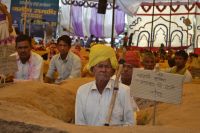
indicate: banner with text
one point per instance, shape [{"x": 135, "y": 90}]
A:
[
  {"x": 40, "y": 13},
  {"x": 158, "y": 86}
]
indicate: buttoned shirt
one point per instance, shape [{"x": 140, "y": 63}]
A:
[
  {"x": 68, "y": 68},
  {"x": 92, "y": 107},
  {"x": 31, "y": 70}
]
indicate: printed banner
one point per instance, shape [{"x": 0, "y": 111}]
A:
[{"x": 40, "y": 15}]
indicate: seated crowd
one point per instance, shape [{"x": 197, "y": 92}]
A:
[{"x": 101, "y": 62}]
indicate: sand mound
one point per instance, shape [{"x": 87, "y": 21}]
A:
[
  {"x": 20, "y": 127},
  {"x": 73, "y": 84},
  {"x": 37, "y": 98},
  {"x": 184, "y": 115},
  {"x": 52, "y": 106}
]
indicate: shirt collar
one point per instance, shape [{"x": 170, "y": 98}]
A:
[
  {"x": 65, "y": 58},
  {"x": 108, "y": 86},
  {"x": 18, "y": 59}
]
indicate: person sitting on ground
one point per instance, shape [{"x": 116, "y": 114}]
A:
[
  {"x": 52, "y": 50},
  {"x": 30, "y": 64},
  {"x": 180, "y": 65},
  {"x": 149, "y": 61},
  {"x": 171, "y": 58},
  {"x": 193, "y": 61},
  {"x": 132, "y": 60},
  {"x": 77, "y": 50},
  {"x": 66, "y": 63},
  {"x": 93, "y": 99}
]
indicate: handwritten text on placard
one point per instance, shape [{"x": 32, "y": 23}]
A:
[{"x": 158, "y": 86}]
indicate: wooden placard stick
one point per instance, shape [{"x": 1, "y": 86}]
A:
[{"x": 116, "y": 88}]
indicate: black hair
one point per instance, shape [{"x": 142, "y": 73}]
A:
[
  {"x": 182, "y": 53},
  {"x": 66, "y": 39},
  {"x": 23, "y": 37}
]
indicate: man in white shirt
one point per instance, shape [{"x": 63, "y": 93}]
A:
[
  {"x": 30, "y": 64},
  {"x": 180, "y": 65},
  {"x": 66, "y": 63},
  {"x": 93, "y": 99}
]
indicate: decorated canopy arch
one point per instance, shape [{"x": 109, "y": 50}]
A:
[{"x": 174, "y": 24}]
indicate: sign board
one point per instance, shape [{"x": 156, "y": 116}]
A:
[
  {"x": 157, "y": 86},
  {"x": 38, "y": 12},
  {"x": 8, "y": 64},
  {"x": 6, "y": 50}
]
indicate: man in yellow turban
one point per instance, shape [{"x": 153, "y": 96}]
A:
[{"x": 93, "y": 99}]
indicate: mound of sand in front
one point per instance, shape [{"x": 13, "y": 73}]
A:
[
  {"x": 48, "y": 105},
  {"x": 183, "y": 115}
]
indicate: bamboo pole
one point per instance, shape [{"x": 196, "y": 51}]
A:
[
  {"x": 113, "y": 24},
  {"x": 25, "y": 17},
  {"x": 152, "y": 32}
]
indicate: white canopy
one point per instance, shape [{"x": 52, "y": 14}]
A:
[{"x": 130, "y": 6}]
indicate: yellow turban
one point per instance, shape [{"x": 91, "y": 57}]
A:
[{"x": 99, "y": 53}]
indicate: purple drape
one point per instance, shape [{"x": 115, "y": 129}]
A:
[
  {"x": 96, "y": 23},
  {"x": 119, "y": 21},
  {"x": 76, "y": 16}
]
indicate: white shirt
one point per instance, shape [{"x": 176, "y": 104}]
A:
[
  {"x": 68, "y": 68},
  {"x": 31, "y": 70},
  {"x": 134, "y": 104},
  {"x": 92, "y": 107},
  {"x": 187, "y": 75}
]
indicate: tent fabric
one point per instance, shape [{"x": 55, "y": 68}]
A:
[
  {"x": 83, "y": 19},
  {"x": 76, "y": 15},
  {"x": 96, "y": 23},
  {"x": 130, "y": 7}
]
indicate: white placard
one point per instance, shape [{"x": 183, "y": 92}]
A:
[
  {"x": 158, "y": 86},
  {"x": 8, "y": 65},
  {"x": 6, "y": 50}
]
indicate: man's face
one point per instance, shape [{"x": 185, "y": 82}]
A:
[
  {"x": 180, "y": 61},
  {"x": 23, "y": 49},
  {"x": 103, "y": 71},
  {"x": 53, "y": 48},
  {"x": 63, "y": 48},
  {"x": 126, "y": 74},
  {"x": 149, "y": 63}
]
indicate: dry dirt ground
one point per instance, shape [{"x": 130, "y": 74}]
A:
[{"x": 33, "y": 107}]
